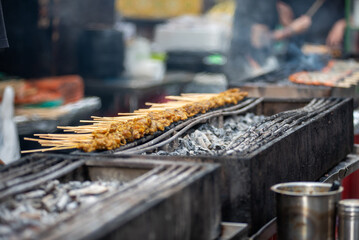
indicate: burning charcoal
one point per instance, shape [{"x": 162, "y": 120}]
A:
[
  {"x": 161, "y": 153},
  {"x": 188, "y": 144},
  {"x": 72, "y": 206},
  {"x": 201, "y": 139},
  {"x": 31, "y": 215},
  {"x": 248, "y": 119},
  {"x": 29, "y": 195},
  {"x": 76, "y": 184},
  {"x": 209, "y": 136},
  {"x": 23, "y": 223},
  {"x": 62, "y": 202},
  {"x": 88, "y": 199},
  {"x": 219, "y": 132},
  {"x": 36, "y": 203},
  {"x": 201, "y": 150},
  {"x": 183, "y": 152},
  {"x": 90, "y": 190},
  {"x": 115, "y": 184},
  {"x": 232, "y": 125},
  {"x": 10, "y": 204},
  {"x": 242, "y": 126},
  {"x": 5, "y": 230},
  {"x": 218, "y": 147},
  {"x": 28, "y": 234},
  {"x": 86, "y": 184},
  {"x": 50, "y": 219},
  {"x": 210, "y": 140},
  {"x": 20, "y": 209},
  {"x": 5, "y": 215},
  {"x": 49, "y": 202},
  {"x": 51, "y": 186},
  {"x": 24, "y": 215}
]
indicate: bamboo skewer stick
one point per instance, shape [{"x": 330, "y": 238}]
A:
[
  {"x": 64, "y": 135},
  {"x": 169, "y": 102},
  {"x": 58, "y": 139},
  {"x": 118, "y": 118},
  {"x": 199, "y": 94},
  {"x": 166, "y": 106},
  {"x": 129, "y": 114},
  {"x": 47, "y": 149},
  {"x": 181, "y": 98},
  {"x": 112, "y": 119},
  {"x": 89, "y": 130},
  {"x": 150, "y": 110},
  {"x": 89, "y": 121}
]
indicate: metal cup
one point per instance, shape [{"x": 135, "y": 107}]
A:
[
  {"x": 348, "y": 212},
  {"x": 306, "y": 210}
]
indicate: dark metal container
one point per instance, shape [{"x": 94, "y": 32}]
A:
[{"x": 158, "y": 200}]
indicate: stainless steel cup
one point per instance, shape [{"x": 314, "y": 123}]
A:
[
  {"x": 306, "y": 210},
  {"x": 348, "y": 212}
]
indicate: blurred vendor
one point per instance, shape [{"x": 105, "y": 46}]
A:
[
  {"x": 250, "y": 45},
  {"x": 252, "y": 37},
  {"x": 3, "y": 37},
  {"x": 327, "y": 23}
]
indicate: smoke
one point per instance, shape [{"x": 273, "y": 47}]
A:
[
  {"x": 304, "y": 62},
  {"x": 253, "y": 22}
]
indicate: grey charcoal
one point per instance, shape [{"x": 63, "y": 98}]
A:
[{"x": 26, "y": 214}]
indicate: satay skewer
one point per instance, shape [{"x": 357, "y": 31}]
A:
[{"x": 102, "y": 127}]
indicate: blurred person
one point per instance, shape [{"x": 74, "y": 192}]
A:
[
  {"x": 294, "y": 28},
  {"x": 253, "y": 34},
  {"x": 328, "y": 23}
]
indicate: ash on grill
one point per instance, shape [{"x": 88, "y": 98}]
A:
[
  {"x": 243, "y": 135},
  {"x": 27, "y": 213},
  {"x": 211, "y": 140}
]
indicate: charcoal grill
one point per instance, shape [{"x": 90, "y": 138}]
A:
[
  {"x": 304, "y": 152},
  {"x": 164, "y": 200}
]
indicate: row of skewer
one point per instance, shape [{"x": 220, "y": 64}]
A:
[
  {"x": 108, "y": 133},
  {"x": 342, "y": 80},
  {"x": 337, "y": 73}
]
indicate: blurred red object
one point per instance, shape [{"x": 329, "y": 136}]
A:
[
  {"x": 67, "y": 88},
  {"x": 351, "y": 186},
  {"x": 351, "y": 182}
]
